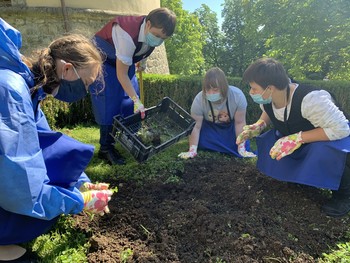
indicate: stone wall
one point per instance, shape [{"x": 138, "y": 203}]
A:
[{"x": 40, "y": 25}]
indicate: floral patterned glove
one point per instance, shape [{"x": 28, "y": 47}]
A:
[
  {"x": 90, "y": 186},
  {"x": 243, "y": 152},
  {"x": 190, "y": 154},
  {"x": 96, "y": 201},
  {"x": 251, "y": 131},
  {"x": 286, "y": 145},
  {"x": 138, "y": 106}
]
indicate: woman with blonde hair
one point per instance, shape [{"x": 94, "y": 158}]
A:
[{"x": 220, "y": 114}]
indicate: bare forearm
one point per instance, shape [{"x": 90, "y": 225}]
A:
[
  {"x": 123, "y": 77},
  {"x": 314, "y": 135},
  {"x": 265, "y": 118},
  {"x": 194, "y": 137},
  {"x": 127, "y": 86},
  {"x": 239, "y": 128},
  {"x": 240, "y": 121}
]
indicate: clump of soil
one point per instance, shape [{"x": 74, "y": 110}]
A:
[{"x": 221, "y": 211}]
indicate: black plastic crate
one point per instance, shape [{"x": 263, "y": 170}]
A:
[{"x": 163, "y": 125}]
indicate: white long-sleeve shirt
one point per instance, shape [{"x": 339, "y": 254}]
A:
[{"x": 319, "y": 108}]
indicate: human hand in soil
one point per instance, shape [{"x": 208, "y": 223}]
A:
[
  {"x": 96, "y": 201},
  {"x": 286, "y": 145},
  {"x": 243, "y": 152},
  {"x": 251, "y": 131},
  {"x": 190, "y": 154},
  {"x": 138, "y": 106}
]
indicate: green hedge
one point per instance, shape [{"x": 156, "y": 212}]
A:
[{"x": 180, "y": 89}]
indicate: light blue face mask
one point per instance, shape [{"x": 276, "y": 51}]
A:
[
  {"x": 259, "y": 99},
  {"x": 213, "y": 97},
  {"x": 152, "y": 40}
]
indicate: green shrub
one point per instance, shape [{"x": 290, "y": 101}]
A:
[{"x": 180, "y": 89}]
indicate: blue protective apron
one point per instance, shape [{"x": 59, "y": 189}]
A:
[
  {"x": 112, "y": 99},
  {"x": 219, "y": 137},
  {"x": 319, "y": 164},
  {"x": 65, "y": 160}
]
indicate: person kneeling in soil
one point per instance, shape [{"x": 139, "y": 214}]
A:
[
  {"x": 310, "y": 142},
  {"x": 42, "y": 171},
  {"x": 219, "y": 111}
]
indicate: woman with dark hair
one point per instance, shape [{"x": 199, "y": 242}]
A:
[{"x": 310, "y": 141}]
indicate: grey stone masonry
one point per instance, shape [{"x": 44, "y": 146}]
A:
[{"x": 40, "y": 25}]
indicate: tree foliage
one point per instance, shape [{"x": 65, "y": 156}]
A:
[
  {"x": 184, "y": 48},
  {"x": 310, "y": 37},
  {"x": 213, "y": 48}
]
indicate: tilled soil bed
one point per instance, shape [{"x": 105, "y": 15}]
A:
[{"x": 221, "y": 211}]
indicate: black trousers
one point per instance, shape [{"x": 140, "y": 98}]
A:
[{"x": 344, "y": 187}]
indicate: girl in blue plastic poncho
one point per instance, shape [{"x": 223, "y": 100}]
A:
[
  {"x": 310, "y": 142},
  {"x": 42, "y": 171}
]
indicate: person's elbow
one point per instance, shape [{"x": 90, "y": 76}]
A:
[
  {"x": 338, "y": 134},
  {"x": 346, "y": 132}
]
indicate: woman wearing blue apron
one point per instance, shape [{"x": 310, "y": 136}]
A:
[
  {"x": 125, "y": 41},
  {"x": 219, "y": 111},
  {"x": 42, "y": 171},
  {"x": 309, "y": 143}
]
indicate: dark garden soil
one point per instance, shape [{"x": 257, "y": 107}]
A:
[{"x": 221, "y": 211}]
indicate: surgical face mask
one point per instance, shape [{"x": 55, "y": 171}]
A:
[
  {"x": 259, "y": 99},
  {"x": 71, "y": 91},
  {"x": 213, "y": 97},
  {"x": 152, "y": 40}
]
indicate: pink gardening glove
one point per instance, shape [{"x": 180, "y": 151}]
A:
[
  {"x": 96, "y": 201},
  {"x": 190, "y": 154},
  {"x": 251, "y": 131},
  {"x": 286, "y": 145},
  {"x": 243, "y": 152},
  {"x": 138, "y": 106}
]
